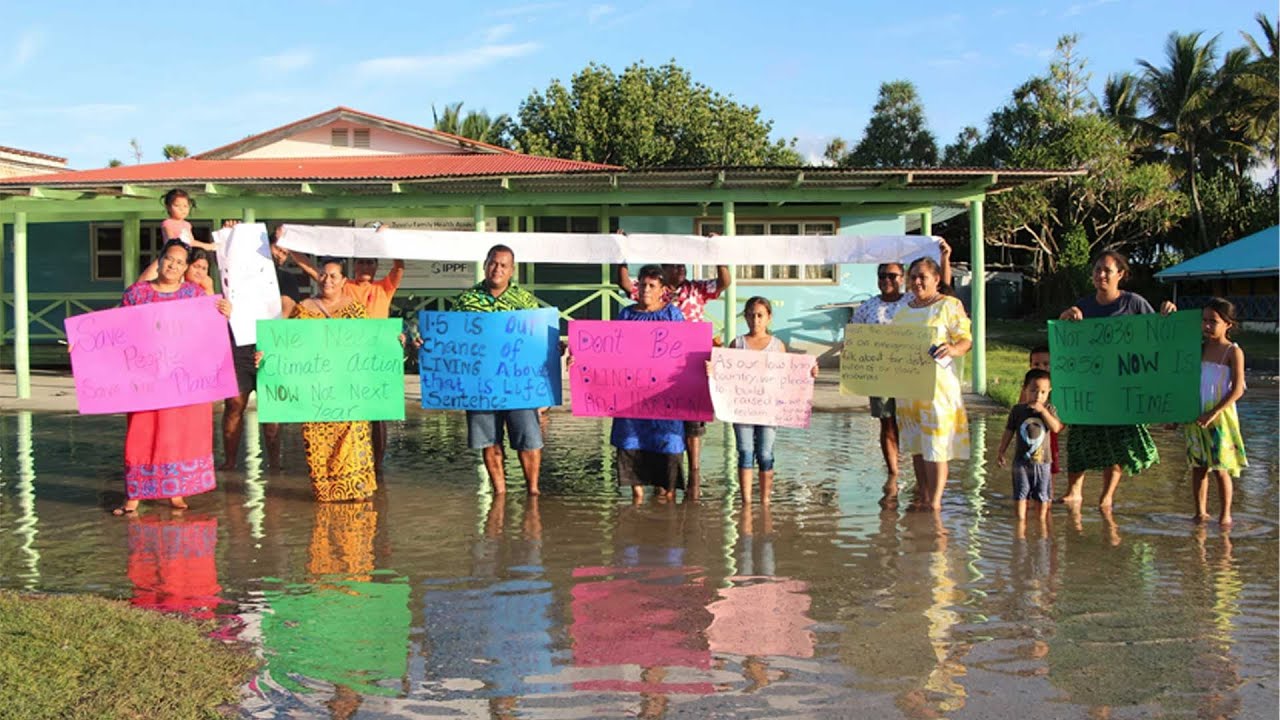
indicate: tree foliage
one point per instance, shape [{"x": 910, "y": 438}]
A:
[
  {"x": 175, "y": 152},
  {"x": 646, "y": 117},
  {"x": 897, "y": 134},
  {"x": 475, "y": 124}
]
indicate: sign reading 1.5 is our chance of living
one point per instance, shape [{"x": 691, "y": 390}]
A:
[
  {"x": 490, "y": 361},
  {"x": 1129, "y": 370},
  {"x": 330, "y": 370}
]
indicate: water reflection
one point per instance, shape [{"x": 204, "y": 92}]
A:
[
  {"x": 434, "y": 598},
  {"x": 172, "y": 564},
  {"x": 489, "y": 633},
  {"x": 345, "y": 626}
]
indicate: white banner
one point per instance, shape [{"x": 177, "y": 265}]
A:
[
  {"x": 248, "y": 278},
  {"x": 601, "y": 248}
]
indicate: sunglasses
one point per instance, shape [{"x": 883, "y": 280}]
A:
[{"x": 889, "y": 276}]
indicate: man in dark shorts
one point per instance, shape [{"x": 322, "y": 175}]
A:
[
  {"x": 247, "y": 372},
  {"x": 486, "y": 429}
]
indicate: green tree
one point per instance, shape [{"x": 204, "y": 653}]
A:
[
  {"x": 646, "y": 117},
  {"x": 175, "y": 152},
  {"x": 475, "y": 124},
  {"x": 835, "y": 150},
  {"x": 897, "y": 134},
  {"x": 963, "y": 150},
  {"x": 1261, "y": 84},
  {"x": 1184, "y": 108},
  {"x": 1051, "y": 229},
  {"x": 114, "y": 162}
]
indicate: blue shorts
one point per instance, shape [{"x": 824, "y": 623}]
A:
[
  {"x": 1031, "y": 481},
  {"x": 485, "y": 429}
]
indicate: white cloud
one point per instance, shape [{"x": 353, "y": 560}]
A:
[
  {"x": 968, "y": 57},
  {"x": 444, "y": 67},
  {"x": 498, "y": 33},
  {"x": 286, "y": 62},
  {"x": 1080, "y": 8},
  {"x": 523, "y": 10},
  {"x": 26, "y": 47},
  {"x": 1028, "y": 50},
  {"x": 598, "y": 12}
]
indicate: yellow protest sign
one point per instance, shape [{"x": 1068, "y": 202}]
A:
[{"x": 888, "y": 361}]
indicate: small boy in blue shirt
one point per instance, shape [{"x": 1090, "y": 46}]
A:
[{"x": 1031, "y": 422}]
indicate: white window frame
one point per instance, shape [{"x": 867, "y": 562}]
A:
[{"x": 830, "y": 226}]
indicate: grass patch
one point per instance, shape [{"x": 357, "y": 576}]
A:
[{"x": 78, "y": 656}]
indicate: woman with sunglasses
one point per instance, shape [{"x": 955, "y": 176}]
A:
[{"x": 879, "y": 310}]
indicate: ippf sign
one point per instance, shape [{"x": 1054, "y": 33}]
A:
[{"x": 437, "y": 275}]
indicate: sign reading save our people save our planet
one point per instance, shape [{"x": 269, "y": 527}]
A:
[
  {"x": 152, "y": 356},
  {"x": 645, "y": 370},
  {"x": 490, "y": 360},
  {"x": 762, "y": 388},
  {"x": 888, "y": 361},
  {"x": 1127, "y": 370},
  {"x": 330, "y": 370}
]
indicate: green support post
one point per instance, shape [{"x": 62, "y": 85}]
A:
[
  {"x": 730, "y": 218},
  {"x": 978, "y": 296},
  {"x": 248, "y": 215},
  {"x": 606, "y": 307},
  {"x": 926, "y": 222},
  {"x": 21, "y": 317},
  {"x": 131, "y": 247},
  {"x": 3, "y": 319},
  {"x": 477, "y": 216}
]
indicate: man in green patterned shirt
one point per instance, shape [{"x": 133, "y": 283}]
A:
[{"x": 496, "y": 293}]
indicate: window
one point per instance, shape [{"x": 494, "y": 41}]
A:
[
  {"x": 775, "y": 273},
  {"x": 107, "y": 241},
  {"x": 338, "y": 137},
  {"x": 360, "y": 138}
]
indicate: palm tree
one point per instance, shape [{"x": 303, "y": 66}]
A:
[
  {"x": 1180, "y": 100},
  {"x": 476, "y": 125},
  {"x": 1260, "y": 82},
  {"x": 175, "y": 152}
]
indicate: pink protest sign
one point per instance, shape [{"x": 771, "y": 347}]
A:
[
  {"x": 646, "y": 370},
  {"x": 153, "y": 356},
  {"x": 762, "y": 388}
]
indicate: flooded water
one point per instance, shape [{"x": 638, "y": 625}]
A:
[{"x": 434, "y": 601}]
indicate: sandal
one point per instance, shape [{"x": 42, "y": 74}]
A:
[{"x": 122, "y": 511}]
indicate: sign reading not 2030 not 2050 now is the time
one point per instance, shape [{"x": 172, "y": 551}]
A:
[{"x": 1128, "y": 370}]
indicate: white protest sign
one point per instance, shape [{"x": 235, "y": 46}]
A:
[
  {"x": 248, "y": 278},
  {"x": 608, "y": 248}
]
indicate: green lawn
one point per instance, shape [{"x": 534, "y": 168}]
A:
[{"x": 79, "y": 656}]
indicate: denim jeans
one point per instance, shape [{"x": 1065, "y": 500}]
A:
[{"x": 755, "y": 445}]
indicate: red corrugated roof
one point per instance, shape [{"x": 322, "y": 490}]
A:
[
  {"x": 29, "y": 153},
  {"x": 381, "y": 167}
]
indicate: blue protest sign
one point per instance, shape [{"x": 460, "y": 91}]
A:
[{"x": 490, "y": 361}]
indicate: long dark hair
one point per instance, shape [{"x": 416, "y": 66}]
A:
[{"x": 1225, "y": 310}]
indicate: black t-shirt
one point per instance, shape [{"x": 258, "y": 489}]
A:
[
  {"x": 289, "y": 285},
  {"x": 1030, "y": 434}
]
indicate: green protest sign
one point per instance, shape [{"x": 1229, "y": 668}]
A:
[
  {"x": 330, "y": 370},
  {"x": 1128, "y": 370}
]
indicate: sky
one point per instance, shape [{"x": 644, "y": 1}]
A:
[{"x": 80, "y": 79}]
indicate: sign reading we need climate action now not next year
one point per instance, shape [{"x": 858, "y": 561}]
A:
[
  {"x": 330, "y": 370},
  {"x": 490, "y": 361},
  {"x": 1128, "y": 370}
]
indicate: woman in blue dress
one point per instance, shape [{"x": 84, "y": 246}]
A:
[{"x": 650, "y": 451}]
